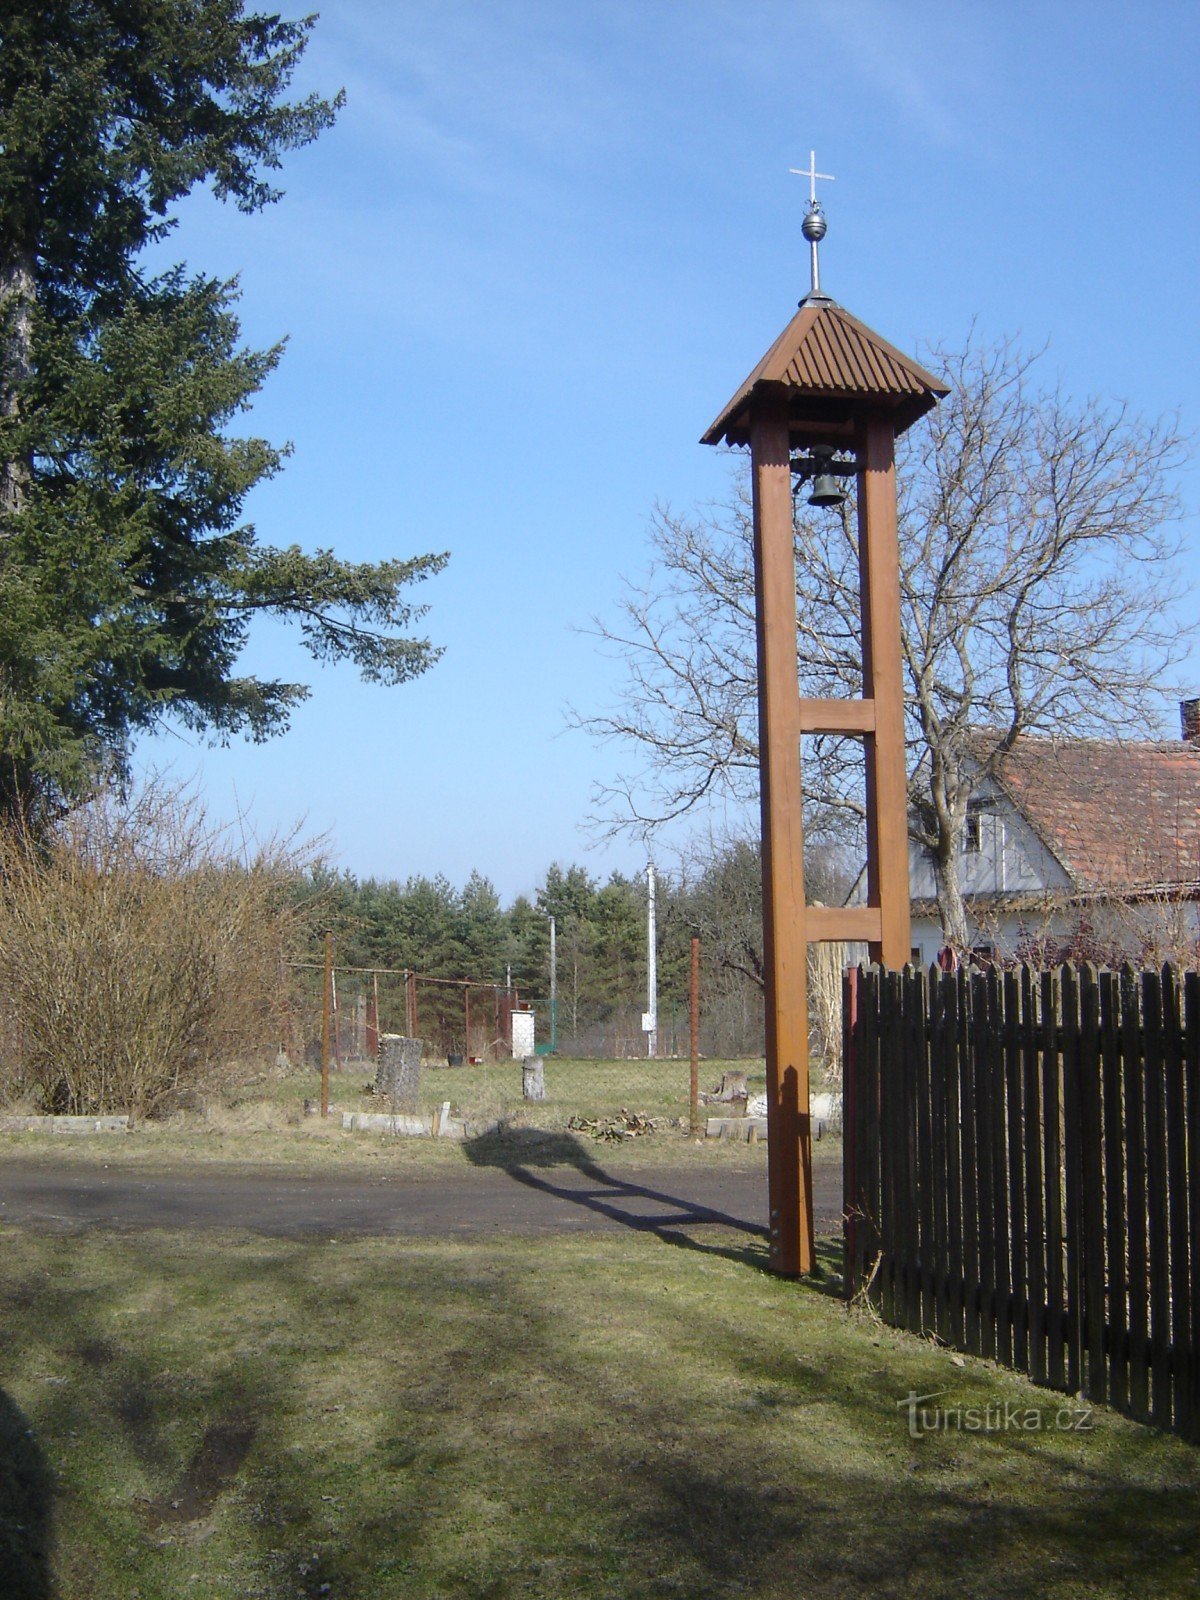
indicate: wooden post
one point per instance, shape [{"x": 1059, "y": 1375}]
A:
[
  {"x": 883, "y": 683},
  {"x": 789, "y": 1155},
  {"x": 326, "y": 1023},
  {"x": 410, "y": 1004},
  {"x": 694, "y": 1020},
  {"x": 852, "y": 1199}
]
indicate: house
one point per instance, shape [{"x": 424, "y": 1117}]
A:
[{"x": 1089, "y": 847}]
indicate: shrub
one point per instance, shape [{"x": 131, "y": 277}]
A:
[{"x": 140, "y": 953}]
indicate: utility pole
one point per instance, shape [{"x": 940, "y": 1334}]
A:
[{"x": 650, "y": 1022}]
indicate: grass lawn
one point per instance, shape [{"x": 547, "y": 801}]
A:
[{"x": 620, "y": 1416}]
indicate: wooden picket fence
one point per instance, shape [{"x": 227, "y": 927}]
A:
[{"x": 1022, "y": 1173}]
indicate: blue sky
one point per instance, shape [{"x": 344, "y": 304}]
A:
[{"x": 538, "y": 252}]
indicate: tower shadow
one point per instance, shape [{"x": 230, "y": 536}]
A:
[
  {"x": 26, "y": 1509},
  {"x": 562, "y": 1165}
]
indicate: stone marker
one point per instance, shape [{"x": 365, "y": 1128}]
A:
[
  {"x": 398, "y": 1076},
  {"x": 533, "y": 1078}
]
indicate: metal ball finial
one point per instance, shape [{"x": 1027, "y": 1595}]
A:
[{"x": 814, "y": 227}]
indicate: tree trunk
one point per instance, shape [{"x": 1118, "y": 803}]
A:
[
  {"x": 17, "y": 293},
  {"x": 951, "y": 910}
]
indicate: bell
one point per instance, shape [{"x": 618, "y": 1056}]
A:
[{"x": 826, "y": 490}]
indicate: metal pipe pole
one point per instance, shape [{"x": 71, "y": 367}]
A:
[
  {"x": 651, "y": 966},
  {"x": 694, "y": 1018},
  {"x": 326, "y": 1021}
]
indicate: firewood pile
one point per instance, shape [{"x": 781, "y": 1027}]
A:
[{"x": 625, "y": 1125}]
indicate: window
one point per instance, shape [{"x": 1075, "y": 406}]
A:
[{"x": 973, "y": 832}]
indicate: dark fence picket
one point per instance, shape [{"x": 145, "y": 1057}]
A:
[
  {"x": 1182, "y": 1288},
  {"x": 924, "y": 1182},
  {"x": 1091, "y": 1147},
  {"x": 1137, "y": 1249},
  {"x": 1035, "y": 1211},
  {"x": 1115, "y": 1232},
  {"x": 1072, "y": 1174},
  {"x": 1014, "y": 1098},
  {"x": 905, "y": 1219},
  {"x": 874, "y": 1170},
  {"x": 984, "y": 1154},
  {"x": 1191, "y": 1068},
  {"x": 1156, "y": 1201},
  {"x": 852, "y": 1135},
  {"x": 910, "y": 1217},
  {"x": 939, "y": 1164},
  {"x": 972, "y": 1259},
  {"x": 1052, "y": 1147},
  {"x": 892, "y": 1124},
  {"x": 950, "y": 985},
  {"x": 992, "y": 1048}
]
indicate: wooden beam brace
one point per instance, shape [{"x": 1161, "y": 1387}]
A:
[
  {"x": 837, "y": 716},
  {"x": 843, "y": 924}
]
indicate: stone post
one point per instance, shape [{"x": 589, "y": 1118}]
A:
[
  {"x": 533, "y": 1078},
  {"x": 398, "y": 1077}
]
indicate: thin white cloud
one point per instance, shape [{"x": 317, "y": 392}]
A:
[{"x": 890, "y": 46}]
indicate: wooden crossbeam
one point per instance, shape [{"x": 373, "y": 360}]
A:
[
  {"x": 837, "y": 716},
  {"x": 843, "y": 924}
]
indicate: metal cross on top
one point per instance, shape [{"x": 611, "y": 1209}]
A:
[
  {"x": 810, "y": 172},
  {"x": 814, "y": 225}
]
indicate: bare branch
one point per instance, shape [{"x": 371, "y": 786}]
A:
[{"x": 1038, "y": 591}]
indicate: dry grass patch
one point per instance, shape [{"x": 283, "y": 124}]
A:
[{"x": 264, "y": 1124}]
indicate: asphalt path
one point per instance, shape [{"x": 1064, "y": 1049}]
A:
[{"x": 526, "y": 1197}]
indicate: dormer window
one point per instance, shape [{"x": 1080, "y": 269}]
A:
[{"x": 973, "y": 831}]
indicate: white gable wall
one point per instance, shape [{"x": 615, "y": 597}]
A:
[{"x": 1011, "y": 859}]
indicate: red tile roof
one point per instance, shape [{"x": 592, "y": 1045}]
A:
[{"x": 1118, "y": 815}]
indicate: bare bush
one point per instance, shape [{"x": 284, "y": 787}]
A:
[{"x": 140, "y": 952}]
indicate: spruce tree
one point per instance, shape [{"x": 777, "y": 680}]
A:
[{"x": 128, "y": 582}]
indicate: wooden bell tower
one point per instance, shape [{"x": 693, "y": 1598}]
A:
[{"x": 830, "y": 387}]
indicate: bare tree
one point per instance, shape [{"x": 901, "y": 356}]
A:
[
  {"x": 719, "y": 894},
  {"x": 1037, "y": 586}
]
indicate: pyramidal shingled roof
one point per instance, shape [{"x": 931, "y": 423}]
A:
[{"x": 825, "y": 354}]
